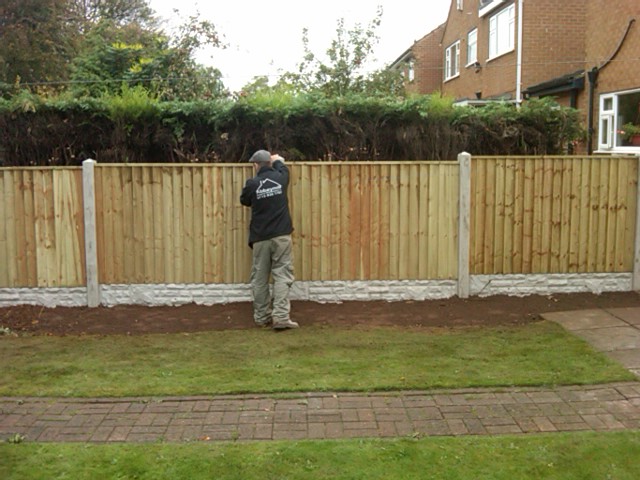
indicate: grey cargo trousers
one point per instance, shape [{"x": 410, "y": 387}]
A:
[{"x": 273, "y": 258}]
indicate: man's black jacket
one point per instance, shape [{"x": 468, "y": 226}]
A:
[{"x": 266, "y": 194}]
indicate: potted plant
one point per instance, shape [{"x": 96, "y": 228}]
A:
[{"x": 631, "y": 133}]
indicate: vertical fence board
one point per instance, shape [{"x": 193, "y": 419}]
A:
[
  {"x": 554, "y": 220},
  {"x": 574, "y": 230},
  {"x": 138, "y": 223},
  {"x": 217, "y": 244},
  {"x": 546, "y": 201},
  {"x": 603, "y": 209},
  {"x": 355, "y": 234},
  {"x": 490, "y": 219},
  {"x": 145, "y": 217},
  {"x": 385, "y": 222},
  {"x": 29, "y": 235},
  {"x": 632, "y": 207},
  {"x": 433, "y": 225},
  {"x": 585, "y": 210},
  {"x": 510, "y": 196},
  {"x": 611, "y": 217},
  {"x": 565, "y": 215},
  {"x": 126, "y": 223},
  {"x": 622, "y": 215},
  {"x": 518, "y": 216},
  {"x": 448, "y": 266},
  {"x": 499, "y": 218},
  {"x": 473, "y": 216},
  {"x": 403, "y": 217},
  {"x": 394, "y": 223},
  {"x": 9, "y": 233},
  {"x": 593, "y": 251},
  {"x": 296, "y": 215},
  {"x": 374, "y": 218},
  {"x": 198, "y": 244},
  {"x": 306, "y": 224},
  {"x": 68, "y": 262},
  {"x": 365, "y": 221},
  {"x": 422, "y": 255}
]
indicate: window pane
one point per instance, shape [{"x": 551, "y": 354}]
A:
[
  {"x": 502, "y": 32},
  {"x": 604, "y": 131},
  {"x": 472, "y": 47},
  {"x": 452, "y": 61},
  {"x": 628, "y": 118}
]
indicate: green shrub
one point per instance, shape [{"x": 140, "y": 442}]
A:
[{"x": 133, "y": 126}]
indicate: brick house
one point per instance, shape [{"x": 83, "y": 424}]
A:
[
  {"x": 585, "y": 53},
  {"x": 420, "y": 63}
]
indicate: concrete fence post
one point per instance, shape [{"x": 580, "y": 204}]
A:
[
  {"x": 90, "y": 237},
  {"x": 464, "y": 224},
  {"x": 635, "y": 281}
]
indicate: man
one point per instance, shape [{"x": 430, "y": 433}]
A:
[{"x": 270, "y": 238}]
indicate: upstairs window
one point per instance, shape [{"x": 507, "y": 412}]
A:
[
  {"x": 472, "y": 47},
  {"x": 502, "y": 27},
  {"x": 460, "y": 4},
  {"x": 452, "y": 61}
]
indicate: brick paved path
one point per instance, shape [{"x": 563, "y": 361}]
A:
[{"x": 323, "y": 415}]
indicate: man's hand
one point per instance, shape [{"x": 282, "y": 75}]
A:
[{"x": 275, "y": 157}]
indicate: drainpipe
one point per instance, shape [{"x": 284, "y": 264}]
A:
[
  {"x": 592, "y": 75},
  {"x": 519, "y": 59}
]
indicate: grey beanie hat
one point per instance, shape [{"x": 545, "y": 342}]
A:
[{"x": 261, "y": 156}]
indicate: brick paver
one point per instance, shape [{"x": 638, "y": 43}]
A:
[{"x": 323, "y": 415}]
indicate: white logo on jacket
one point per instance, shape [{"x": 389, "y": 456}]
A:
[{"x": 268, "y": 188}]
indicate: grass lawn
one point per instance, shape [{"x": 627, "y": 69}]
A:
[
  {"x": 309, "y": 359},
  {"x": 580, "y": 456},
  {"x": 315, "y": 359}
]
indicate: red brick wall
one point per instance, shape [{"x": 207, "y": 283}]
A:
[
  {"x": 553, "y": 39},
  {"x": 606, "y": 24},
  {"x": 496, "y": 77},
  {"x": 427, "y": 53},
  {"x": 553, "y": 45},
  {"x": 607, "y": 21}
]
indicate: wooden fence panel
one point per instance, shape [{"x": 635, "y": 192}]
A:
[
  {"x": 553, "y": 214},
  {"x": 374, "y": 221},
  {"x": 171, "y": 224},
  {"x": 41, "y": 227},
  {"x": 353, "y": 221}
]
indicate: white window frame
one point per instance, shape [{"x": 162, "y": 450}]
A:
[
  {"x": 411, "y": 70},
  {"x": 460, "y": 4},
  {"x": 472, "y": 47},
  {"x": 502, "y": 30},
  {"x": 452, "y": 61},
  {"x": 610, "y": 124},
  {"x": 488, "y": 7}
]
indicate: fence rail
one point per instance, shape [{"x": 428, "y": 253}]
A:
[{"x": 161, "y": 224}]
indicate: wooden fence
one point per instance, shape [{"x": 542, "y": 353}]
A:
[
  {"x": 160, "y": 224},
  {"x": 553, "y": 214},
  {"x": 41, "y": 227}
]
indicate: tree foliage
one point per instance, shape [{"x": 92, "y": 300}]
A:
[
  {"x": 94, "y": 46},
  {"x": 136, "y": 57},
  {"x": 342, "y": 70},
  {"x": 37, "y": 42},
  {"x": 88, "y": 13}
]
